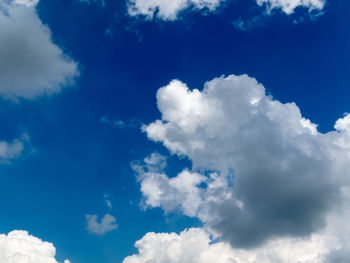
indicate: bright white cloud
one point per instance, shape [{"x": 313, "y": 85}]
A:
[
  {"x": 288, "y": 6},
  {"x": 180, "y": 192},
  {"x": 20, "y": 247},
  {"x": 195, "y": 246},
  {"x": 12, "y": 150},
  {"x": 30, "y": 63},
  {"x": 107, "y": 224},
  {"x": 275, "y": 175},
  {"x": 170, "y": 9}
]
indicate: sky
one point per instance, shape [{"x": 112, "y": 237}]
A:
[{"x": 167, "y": 131}]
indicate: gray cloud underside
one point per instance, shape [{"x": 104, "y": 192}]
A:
[
  {"x": 31, "y": 65},
  {"x": 274, "y": 175}
]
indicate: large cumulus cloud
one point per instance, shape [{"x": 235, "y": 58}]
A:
[
  {"x": 20, "y": 247},
  {"x": 195, "y": 246},
  {"x": 30, "y": 63},
  {"x": 270, "y": 173}
]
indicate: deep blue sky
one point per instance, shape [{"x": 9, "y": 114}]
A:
[{"x": 77, "y": 158}]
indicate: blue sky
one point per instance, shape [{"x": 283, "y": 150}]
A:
[{"x": 78, "y": 97}]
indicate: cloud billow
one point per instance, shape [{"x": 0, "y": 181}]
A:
[
  {"x": 20, "y": 247},
  {"x": 195, "y": 245},
  {"x": 287, "y": 179}
]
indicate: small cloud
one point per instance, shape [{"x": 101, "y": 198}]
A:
[
  {"x": 153, "y": 163},
  {"x": 117, "y": 123},
  {"x": 107, "y": 224},
  {"x": 108, "y": 202},
  {"x": 242, "y": 24},
  {"x": 13, "y": 150}
]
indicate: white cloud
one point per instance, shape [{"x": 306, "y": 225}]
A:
[
  {"x": 12, "y": 150},
  {"x": 30, "y": 63},
  {"x": 180, "y": 192},
  {"x": 288, "y": 6},
  {"x": 195, "y": 246},
  {"x": 169, "y": 10},
  {"x": 20, "y": 247},
  {"x": 272, "y": 174},
  {"x": 107, "y": 224},
  {"x": 27, "y": 3}
]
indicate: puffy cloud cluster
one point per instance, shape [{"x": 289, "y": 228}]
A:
[
  {"x": 262, "y": 172},
  {"x": 107, "y": 224},
  {"x": 20, "y": 247},
  {"x": 195, "y": 246},
  {"x": 170, "y": 9},
  {"x": 288, "y": 6},
  {"x": 30, "y": 63},
  {"x": 12, "y": 150}
]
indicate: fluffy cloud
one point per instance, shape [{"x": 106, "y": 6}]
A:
[
  {"x": 288, "y": 6},
  {"x": 195, "y": 246},
  {"x": 271, "y": 175},
  {"x": 30, "y": 63},
  {"x": 12, "y": 150},
  {"x": 107, "y": 224},
  {"x": 170, "y": 9},
  {"x": 20, "y": 247},
  {"x": 180, "y": 192}
]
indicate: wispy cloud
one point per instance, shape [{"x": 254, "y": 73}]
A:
[{"x": 118, "y": 123}]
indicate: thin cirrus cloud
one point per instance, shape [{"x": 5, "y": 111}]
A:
[
  {"x": 271, "y": 174},
  {"x": 31, "y": 65},
  {"x": 121, "y": 124},
  {"x": 106, "y": 224},
  {"x": 169, "y": 10},
  {"x": 19, "y": 246}
]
